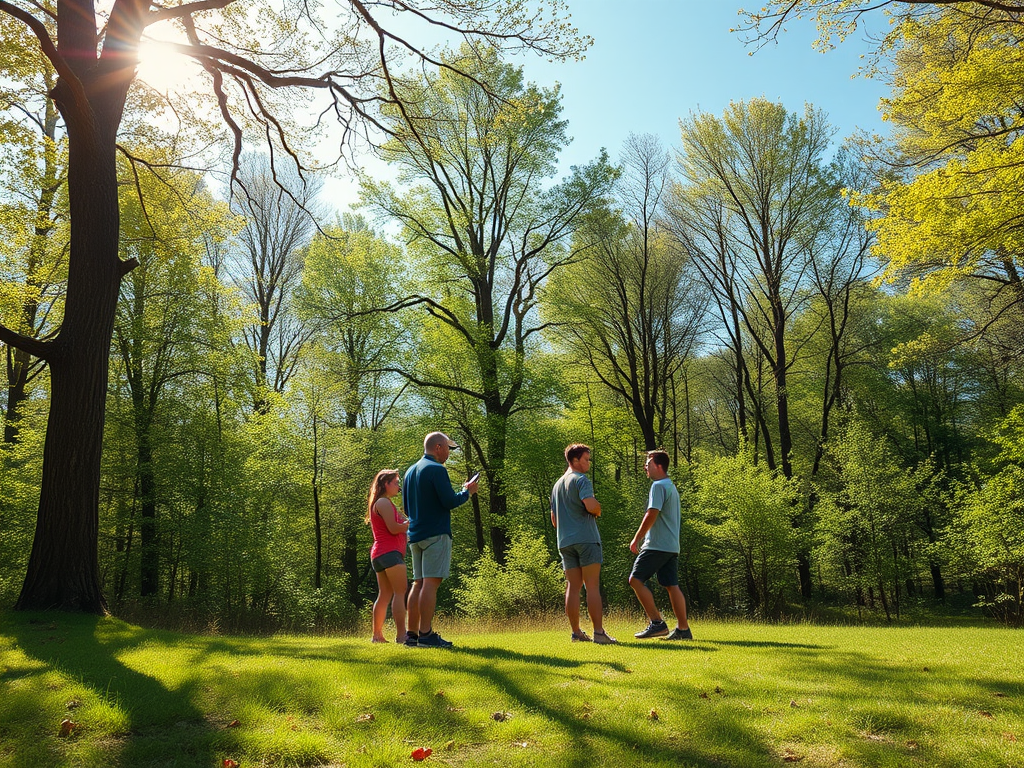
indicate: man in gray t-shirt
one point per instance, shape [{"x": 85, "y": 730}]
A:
[
  {"x": 574, "y": 513},
  {"x": 656, "y": 545}
]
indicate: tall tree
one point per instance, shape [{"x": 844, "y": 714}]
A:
[
  {"x": 34, "y": 159},
  {"x": 250, "y": 81},
  {"x": 155, "y": 328},
  {"x": 627, "y": 307},
  {"x": 349, "y": 272},
  {"x": 766, "y": 167},
  {"x": 279, "y": 208},
  {"x": 486, "y": 226}
]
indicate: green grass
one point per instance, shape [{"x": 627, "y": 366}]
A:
[{"x": 740, "y": 695}]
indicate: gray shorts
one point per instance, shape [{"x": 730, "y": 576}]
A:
[
  {"x": 431, "y": 557},
  {"x": 579, "y": 555}
]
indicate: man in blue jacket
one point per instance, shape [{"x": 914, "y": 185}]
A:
[{"x": 429, "y": 500}]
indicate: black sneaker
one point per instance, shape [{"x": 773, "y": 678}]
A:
[
  {"x": 680, "y": 634},
  {"x": 411, "y": 639},
  {"x": 433, "y": 640},
  {"x": 654, "y": 629}
]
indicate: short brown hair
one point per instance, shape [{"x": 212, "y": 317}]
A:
[
  {"x": 659, "y": 457},
  {"x": 574, "y": 451}
]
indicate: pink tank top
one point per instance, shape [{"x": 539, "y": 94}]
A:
[{"x": 383, "y": 539}]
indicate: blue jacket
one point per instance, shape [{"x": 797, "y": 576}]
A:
[{"x": 428, "y": 499}]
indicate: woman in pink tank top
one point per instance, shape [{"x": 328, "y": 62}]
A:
[{"x": 387, "y": 556}]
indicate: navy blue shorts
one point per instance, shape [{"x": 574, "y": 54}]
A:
[
  {"x": 651, "y": 561},
  {"x": 388, "y": 560}
]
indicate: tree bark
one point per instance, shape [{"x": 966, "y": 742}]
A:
[{"x": 63, "y": 567}]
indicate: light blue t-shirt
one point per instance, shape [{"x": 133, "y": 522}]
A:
[
  {"x": 574, "y": 524},
  {"x": 664, "y": 534}
]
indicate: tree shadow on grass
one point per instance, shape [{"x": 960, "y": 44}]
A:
[
  {"x": 769, "y": 644},
  {"x": 504, "y": 654},
  {"x": 84, "y": 651},
  {"x": 707, "y": 646},
  {"x": 610, "y": 739}
]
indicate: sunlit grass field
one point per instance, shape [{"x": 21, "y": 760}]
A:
[{"x": 740, "y": 695}]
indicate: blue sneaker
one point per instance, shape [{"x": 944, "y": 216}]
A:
[
  {"x": 411, "y": 639},
  {"x": 433, "y": 640}
]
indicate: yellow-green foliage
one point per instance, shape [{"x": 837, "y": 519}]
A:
[{"x": 958, "y": 120}]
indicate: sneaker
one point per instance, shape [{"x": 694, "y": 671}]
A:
[
  {"x": 411, "y": 639},
  {"x": 433, "y": 640},
  {"x": 580, "y": 637},
  {"x": 654, "y": 629},
  {"x": 679, "y": 634},
  {"x": 603, "y": 638}
]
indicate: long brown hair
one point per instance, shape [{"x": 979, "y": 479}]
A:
[{"x": 377, "y": 488}]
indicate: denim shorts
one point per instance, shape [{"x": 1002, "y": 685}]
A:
[
  {"x": 431, "y": 557},
  {"x": 579, "y": 555},
  {"x": 388, "y": 560}
]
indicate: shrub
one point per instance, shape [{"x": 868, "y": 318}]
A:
[{"x": 528, "y": 582}]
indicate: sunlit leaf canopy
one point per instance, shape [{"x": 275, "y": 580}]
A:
[{"x": 837, "y": 19}]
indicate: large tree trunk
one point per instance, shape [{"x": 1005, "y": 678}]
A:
[{"x": 63, "y": 568}]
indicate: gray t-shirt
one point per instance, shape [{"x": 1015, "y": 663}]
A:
[
  {"x": 664, "y": 534},
  {"x": 575, "y": 524}
]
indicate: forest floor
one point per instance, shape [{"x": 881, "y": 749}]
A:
[{"x": 741, "y": 694}]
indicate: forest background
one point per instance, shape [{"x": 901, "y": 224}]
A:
[{"x": 824, "y": 335}]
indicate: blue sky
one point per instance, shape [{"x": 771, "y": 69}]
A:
[
  {"x": 656, "y": 61},
  {"x": 662, "y": 59}
]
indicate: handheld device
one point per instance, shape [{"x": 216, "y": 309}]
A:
[{"x": 473, "y": 479}]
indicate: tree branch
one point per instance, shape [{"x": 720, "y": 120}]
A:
[
  {"x": 163, "y": 14},
  {"x": 40, "y": 349}
]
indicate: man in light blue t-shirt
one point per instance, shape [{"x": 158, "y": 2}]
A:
[
  {"x": 574, "y": 513},
  {"x": 656, "y": 545}
]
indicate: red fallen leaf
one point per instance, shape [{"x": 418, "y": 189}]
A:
[
  {"x": 67, "y": 726},
  {"x": 229, "y": 763},
  {"x": 421, "y": 753},
  {"x": 234, "y": 724}
]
